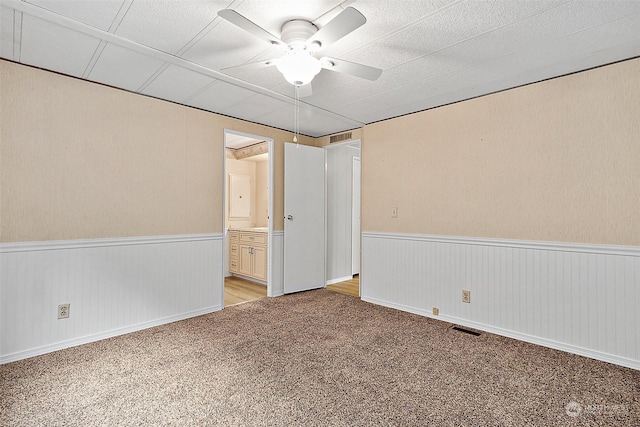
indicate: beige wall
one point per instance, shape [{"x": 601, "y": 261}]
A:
[
  {"x": 553, "y": 161},
  {"x": 81, "y": 160}
]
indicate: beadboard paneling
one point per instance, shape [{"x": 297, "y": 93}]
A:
[
  {"x": 114, "y": 286},
  {"x": 573, "y": 297},
  {"x": 276, "y": 285}
]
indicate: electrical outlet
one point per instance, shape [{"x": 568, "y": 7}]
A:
[
  {"x": 466, "y": 296},
  {"x": 63, "y": 311},
  {"x": 394, "y": 212},
  {"x": 436, "y": 311}
]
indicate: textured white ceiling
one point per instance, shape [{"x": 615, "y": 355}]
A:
[{"x": 432, "y": 52}]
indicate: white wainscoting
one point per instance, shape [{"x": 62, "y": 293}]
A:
[
  {"x": 583, "y": 299},
  {"x": 114, "y": 286},
  {"x": 277, "y": 264}
]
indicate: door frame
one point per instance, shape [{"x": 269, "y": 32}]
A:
[{"x": 225, "y": 189}]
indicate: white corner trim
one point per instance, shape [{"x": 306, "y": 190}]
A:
[
  {"x": 104, "y": 242},
  {"x": 524, "y": 244}
]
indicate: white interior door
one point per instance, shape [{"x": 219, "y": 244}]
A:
[{"x": 304, "y": 223}]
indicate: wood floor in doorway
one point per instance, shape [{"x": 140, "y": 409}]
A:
[
  {"x": 237, "y": 290},
  {"x": 348, "y": 287}
]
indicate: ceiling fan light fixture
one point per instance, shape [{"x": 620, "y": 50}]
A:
[{"x": 299, "y": 67}]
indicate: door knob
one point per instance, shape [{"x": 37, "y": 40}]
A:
[{"x": 290, "y": 217}]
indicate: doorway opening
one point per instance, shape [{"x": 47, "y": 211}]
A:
[
  {"x": 247, "y": 218},
  {"x": 343, "y": 214}
]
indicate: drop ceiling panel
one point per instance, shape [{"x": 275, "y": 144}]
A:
[
  {"x": 54, "y": 47},
  {"x": 168, "y": 25},
  {"x": 312, "y": 122},
  {"x": 177, "y": 83},
  {"x": 385, "y": 18},
  {"x": 97, "y": 13},
  {"x": 219, "y": 97},
  {"x": 124, "y": 68},
  {"x": 256, "y": 107},
  {"x": 456, "y": 24},
  {"x": 225, "y": 46},
  {"x": 268, "y": 77}
]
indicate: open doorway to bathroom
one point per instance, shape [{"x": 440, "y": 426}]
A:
[{"x": 248, "y": 174}]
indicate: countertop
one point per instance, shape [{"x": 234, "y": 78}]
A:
[{"x": 254, "y": 229}]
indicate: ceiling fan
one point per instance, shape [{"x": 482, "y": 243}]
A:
[{"x": 301, "y": 39}]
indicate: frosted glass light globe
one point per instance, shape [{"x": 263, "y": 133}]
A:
[{"x": 299, "y": 67}]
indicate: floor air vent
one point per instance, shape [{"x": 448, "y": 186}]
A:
[
  {"x": 340, "y": 138},
  {"x": 466, "y": 331}
]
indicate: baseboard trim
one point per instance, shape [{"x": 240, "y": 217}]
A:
[
  {"x": 103, "y": 335},
  {"x": 338, "y": 280},
  {"x": 604, "y": 357}
]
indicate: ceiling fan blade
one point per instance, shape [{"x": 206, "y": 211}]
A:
[
  {"x": 305, "y": 90},
  {"x": 346, "y": 21},
  {"x": 358, "y": 70},
  {"x": 240, "y": 21},
  {"x": 252, "y": 66}
]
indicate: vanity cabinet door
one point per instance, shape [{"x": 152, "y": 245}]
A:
[
  {"x": 260, "y": 262},
  {"x": 244, "y": 260}
]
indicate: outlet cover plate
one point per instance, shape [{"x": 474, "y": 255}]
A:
[
  {"x": 63, "y": 311},
  {"x": 466, "y": 296}
]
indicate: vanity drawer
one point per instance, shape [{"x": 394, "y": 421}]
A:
[
  {"x": 233, "y": 265},
  {"x": 253, "y": 238},
  {"x": 234, "y": 236},
  {"x": 233, "y": 250}
]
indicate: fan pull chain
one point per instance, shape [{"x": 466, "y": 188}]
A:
[{"x": 296, "y": 114}]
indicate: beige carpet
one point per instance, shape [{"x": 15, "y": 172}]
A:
[{"x": 315, "y": 358}]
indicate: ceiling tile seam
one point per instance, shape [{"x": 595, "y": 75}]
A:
[
  {"x": 113, "y": 27},
  {"x": 199, "y": 92},
  {"x": 153, "y": 76},
  {"x": 94, "y": 59},
  {"x": 155, "y": 53},
  {"x": 195, "y": 39},
  {"x": 17, "y": 35},
  {"x": 122, "y": 12},
  {"x": 484, "y": 33},
  {"x": 205, "y": 30}
]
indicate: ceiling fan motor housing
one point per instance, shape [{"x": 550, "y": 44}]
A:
[{"x": 296, "y": 32}]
